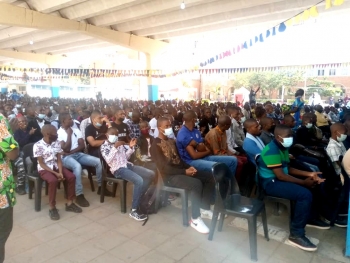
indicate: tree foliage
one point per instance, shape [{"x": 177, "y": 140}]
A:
[{"x": 322, "y": 86}]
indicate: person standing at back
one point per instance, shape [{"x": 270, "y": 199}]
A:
[{"x": 9, "y": 151}]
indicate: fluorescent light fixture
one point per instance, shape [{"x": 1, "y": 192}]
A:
[{"x": 183, "y": 6}]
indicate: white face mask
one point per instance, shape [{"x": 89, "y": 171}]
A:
[
  {"x": 342, "y": 137},
  {"x": 112, "y": 138},
  {"x": 309, "y": 125},
  {"x": 287, "y": 142},
  {"x": 243, "y": 119},
  {"x": 41, "y": 116},
  {"x": 168, "y": 132}
]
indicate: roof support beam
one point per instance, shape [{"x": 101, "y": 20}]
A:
[
  {"x": 256, "y": 12},
  {"x": 16, "y": 16},
  {"x": 189, "y": 13},
  {"x": 38, "y": 58}
]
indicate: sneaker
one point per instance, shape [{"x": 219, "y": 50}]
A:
[
  {"x": 73, "y": 208},
  {"x": 341, "y": 221},
  {"x": 303, "y": 243},
  {"x": 81, "y": 201},
  {"x": 171, "y": 197},
  {"x": 208, "y": 214},
  {"x": 319, "y": 224},
  {"x": 107, "y": 192},
  {"x": 53, "y": 213},
  {"x": 138, "y": 217},
  {"x": 199, "y": 225},
  {"x": 85, "y": 172}
]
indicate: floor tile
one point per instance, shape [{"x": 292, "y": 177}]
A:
[
  {"x": 106, "y": 258},
  {"x": 109, "y": 240},
  {"x": 154, "y": 257},
  {"x": 98, "y": 213},
  {"x": 292, "y": 253},
  {"x": 50, "y": 232},
  {"x": 132, "y": 229},
  {"x": 91, "y": 230},
  {"x": 151, "y": 238},
  {"x": 21, "y": 244},
  {"x": 199, "y": 255},
  {"x": 75, "y": 222},
  {"x": 175, "y": 248},
  {"x": 66, "y": 242},
  {"x": 129, "y": 251},
  {"x": 36, "y": 254}
]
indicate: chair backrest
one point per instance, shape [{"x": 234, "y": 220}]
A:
[
  {"x": 105, "y": 166},
  {"x": 28, "y": 152},
  {"x": 260, "y": 190}
]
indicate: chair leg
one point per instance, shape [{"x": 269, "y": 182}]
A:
[
  {"x": 91, "y": 182},
  {"x": 252, "y": 238},
  {"x": 114, "y": 189},
  {"x": 221, "y": 222},
  {"x": 30, "y": 189},
  {"x": 264, "y": 221},
  {"x": 59, "y": 185},
  {"x": 103, "y": 186},
  {"x": 65, "y": 187},
  {"x": 213, "y": 225},
  {"x": 37, "y": 200},
  {"x": 290, "y": 213},
  {"x": 123, "y": 197},
  {"x": 184, "y": 200}
]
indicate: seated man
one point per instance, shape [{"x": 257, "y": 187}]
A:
[
  {"x": 116, "y": 156},
  {"x": 135, "y": 124},
  {"x": 252, "y": 144},
  {"x": 237, "y": 125},
  {"x": 193, "y": 151},
  {"x": 347, "y": 140},
  {"x": 267, "y": 129},
  {"x": 122, "y": 127},
  {"x": 48, "y": 152},
  {"x": 179, "y": 174},
  {"x": 73, "y": 158},
  {"x": 206, "y": 123},
  {"x": 94, "y": 131},
  {"x": 305, "y": 134},
  {"x": 322, "y": 121},
  {"x": 36, "y": 122},
  {"x": 216, "y": 141},
  {"x": 276, "y": 180}
]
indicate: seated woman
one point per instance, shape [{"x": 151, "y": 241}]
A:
[
  {"x": 179, "y": 174},
  {"x": 116, "y": 154}
]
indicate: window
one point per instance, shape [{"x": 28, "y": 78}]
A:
[
  {"x": 320, "y": 72},
  {"x": 332, "y": 72},
  {"x": 66, "y": 88},
  {"x": 22, "y": 88},
  {"x": 41, "y": 87},
  {"x": 83, "y": 89}
]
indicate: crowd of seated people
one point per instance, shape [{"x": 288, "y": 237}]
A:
[{"x": 183, "y": 140}]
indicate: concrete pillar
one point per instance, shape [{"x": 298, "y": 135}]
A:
[{"x": 152, "y": 88}]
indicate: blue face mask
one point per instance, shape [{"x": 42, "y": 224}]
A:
[
  {"x": 98, "y": 124},
  {"x": 287, "y": 142}
]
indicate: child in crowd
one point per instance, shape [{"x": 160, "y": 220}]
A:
[
  {"x": 48, "y": 152},
  {"x": 116, "y": 155}
]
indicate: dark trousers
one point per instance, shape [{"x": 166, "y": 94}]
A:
[
  {"x": 52, "y": 180},
  {"x": 201, "y": 187},
  {"x": 6, "y": 222},
  {"x": 302, "y": 198}
]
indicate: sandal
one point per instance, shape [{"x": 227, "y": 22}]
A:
[{"x": 73, "y": 208}]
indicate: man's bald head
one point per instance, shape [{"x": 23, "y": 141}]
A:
[
  {"x": 48, "y": 130},
  {"x": 161, "y": 120},
  {"x": 189, "y": 115},
  {"x": 282, "y": 131},
  {"x": 224, "y": 122},
  {"x": 289, "y": 121},
  {"x": 338, "y": 128},
  {"x": 252, "y": 127},
  {"x": 266, "y": 121}
]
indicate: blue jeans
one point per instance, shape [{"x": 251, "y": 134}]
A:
[
  {"x": 303, "y": 201},
  {"x": 75, "y": 161},
  {"x": 205, "y": 164},
  {"x": 140, "y": 177}
]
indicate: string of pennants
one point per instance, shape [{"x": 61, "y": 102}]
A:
[
  {"x": 280, "y": 28},
  {"x": 42, "y": 74}
]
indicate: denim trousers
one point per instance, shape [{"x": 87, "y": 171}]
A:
[
  {"x": 205, "y": 164},
  {"x": 139, "y": 176},
  {"x": 6, "y": 223},
  {"x": 201, "y": 187},
  {"x": 303, "y": 201},
  {"x": 75, "y": 161}
]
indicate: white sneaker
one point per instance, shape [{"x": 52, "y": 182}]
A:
[
  {"x": 85, "y": 172},
  {"x": 199, "y": 225},
  {"x": 206, "y": 214},
  {"x": 209, "y": 214}
]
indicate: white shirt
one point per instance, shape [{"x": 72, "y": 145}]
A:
[
  {"x": 231, "y": 141},
  {"x": 41, "y": 124},
  {"x": 48, "y": 152},
  {"x": 76, "y": 135},
  {"x": 153, "y": 124},
  {"x": 83, "y": 125}
]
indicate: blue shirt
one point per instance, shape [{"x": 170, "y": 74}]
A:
[
  {"x": 298, "y": 103},
  {"x": 184, "y": 137},
  {"x": 251, "y": 149}
]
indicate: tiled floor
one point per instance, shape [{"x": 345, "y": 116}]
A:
[{"x": 101, "y": 234}]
